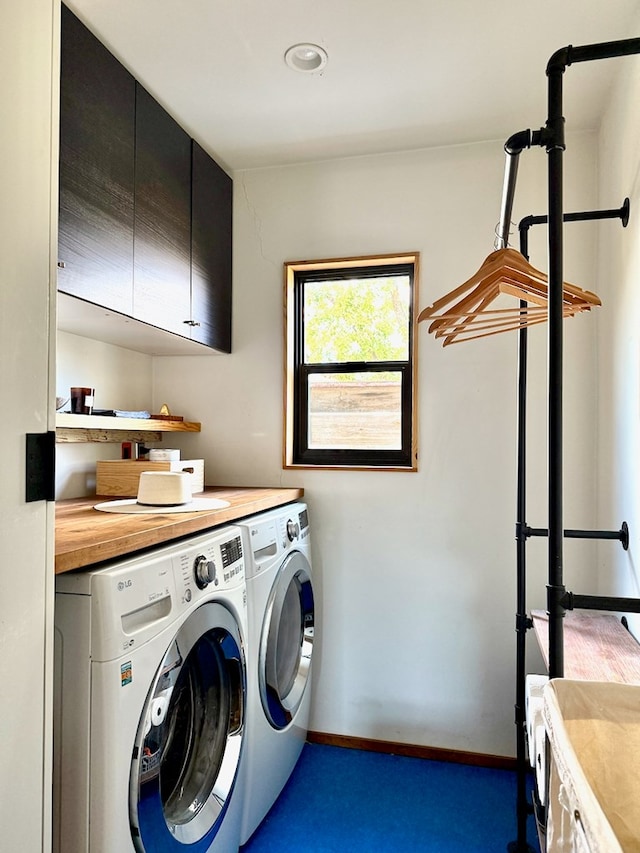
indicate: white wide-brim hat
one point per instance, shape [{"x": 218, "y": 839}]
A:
[{"x": 164, "y": 492}]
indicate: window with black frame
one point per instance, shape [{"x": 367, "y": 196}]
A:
[{"x": 350, "y": 397}]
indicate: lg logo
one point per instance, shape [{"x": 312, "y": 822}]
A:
[{"x": 124, "y": 585}]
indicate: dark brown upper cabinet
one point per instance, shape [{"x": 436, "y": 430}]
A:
[
  {"x": 211, "y": 218},
  {"x": 145, "y": 213},
  {"x": 97, "y": 109},
  {"x": 162, "y": 229}
]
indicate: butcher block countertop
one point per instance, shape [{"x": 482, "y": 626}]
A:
[{"x": 85, "y": 536}]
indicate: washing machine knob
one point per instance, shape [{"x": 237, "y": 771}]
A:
[
  {"x": 205, "y": 571},
  {"x": 293, "y": 530}
]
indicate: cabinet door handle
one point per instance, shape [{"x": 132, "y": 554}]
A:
[{"x": 191, "y": 322}]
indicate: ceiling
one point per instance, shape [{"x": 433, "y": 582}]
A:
[{"x": 401, "y": 75}]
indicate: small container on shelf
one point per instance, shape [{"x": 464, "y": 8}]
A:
[{"x": 120, "y": 477}]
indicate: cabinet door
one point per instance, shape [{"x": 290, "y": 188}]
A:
[
  {"x": 97, "y": 123},
  {"x": 211, "y": 224},
  {"x": 162, "y": 232}
]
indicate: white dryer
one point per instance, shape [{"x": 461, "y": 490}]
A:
[
  {"x": 149, "y": 701},
  {"x": 281, "y": 615}
]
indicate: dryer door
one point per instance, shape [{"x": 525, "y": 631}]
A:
[
  {"x": 187, "y": 749},
  {"x": 286, "y": 642}
]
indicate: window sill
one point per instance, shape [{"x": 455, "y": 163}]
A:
[{"x": 405, "y": 469}]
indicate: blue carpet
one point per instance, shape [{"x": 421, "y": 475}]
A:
[{"x": 348, "y": 801}]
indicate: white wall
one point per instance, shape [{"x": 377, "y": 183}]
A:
[
  {"x": 122, "y": 379},
  {"x": 619, "y": 342},
  {"x": 414, "y": 572}
]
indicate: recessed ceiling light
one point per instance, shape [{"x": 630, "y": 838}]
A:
[{"x": 306, "y": 57}]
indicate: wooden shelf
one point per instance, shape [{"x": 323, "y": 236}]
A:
[
  {"x": 100, "y": 428},
  {"x": 597, "y": 646}
]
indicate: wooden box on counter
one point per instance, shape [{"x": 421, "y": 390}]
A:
[{"x": 119, "y": 477}]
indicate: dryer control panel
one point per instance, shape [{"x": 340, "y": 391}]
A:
[
  {"x": 271, "y": 535},
  {"x": 294, "y": 526}
]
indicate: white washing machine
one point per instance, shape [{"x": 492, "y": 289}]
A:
[
  {"x": 281, "y": 635},
  {"x": 149, "y": 701}
]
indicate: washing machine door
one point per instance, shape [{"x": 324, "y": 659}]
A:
[
  {"x": 286, "y": 642},
  {"x": 187, "y": 750}
]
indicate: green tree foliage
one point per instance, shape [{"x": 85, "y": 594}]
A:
[{"x": 356, "y": 320}]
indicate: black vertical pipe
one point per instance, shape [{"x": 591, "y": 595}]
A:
[
  {"x": 555, "y": 587},
  {"x": 521, "y": 488},
  {"x": 554, "y": 140},
  {"x": 522, "y": 803}
]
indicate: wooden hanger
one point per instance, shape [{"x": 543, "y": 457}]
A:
[
  {"x": 526, "y": 318},
  {"x": 475, "y": 305},
  {"x": 504, "y": 271}
]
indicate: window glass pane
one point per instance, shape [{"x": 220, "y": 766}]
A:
[
  {"x": 363, "y": 319},
  {"x": 356, "y": 411}
]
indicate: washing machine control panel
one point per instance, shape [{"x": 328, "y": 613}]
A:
[
  {"x": 204, "y": 571},
  {"x": 211, "y": 563}
]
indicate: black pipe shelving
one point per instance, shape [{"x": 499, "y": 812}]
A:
[
  {"x": 524, "y": 532},
  {"x": 559, "y": 600}
]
